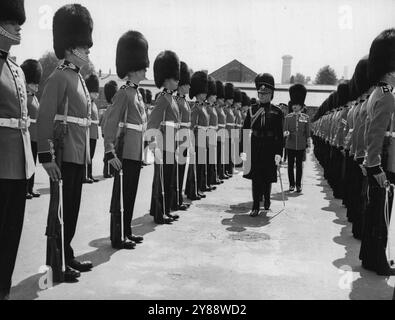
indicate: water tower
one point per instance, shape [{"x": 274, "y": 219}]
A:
[{"x": 286, "y": 73}]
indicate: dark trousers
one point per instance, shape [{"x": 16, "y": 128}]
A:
[
  {"x": 12, "y": 211},
  {"x": 201, "y": 170},
  {"x": 374, "y": 238},
  {"x": 211, "y": 165},
  {"x": 73, "y": 175},
  {"x": 229, "y": 166},
  {"x": 220, "y": 161},
  {"x": 30, "y": 182},
  {"x": 295, "y": 156},
  {"x": 131, "y": 176},
  {"x": 260, "y": 188},
  {"x": 92, "y": 145}
]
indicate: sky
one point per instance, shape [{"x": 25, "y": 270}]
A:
[{"x": 208, "y": 34}]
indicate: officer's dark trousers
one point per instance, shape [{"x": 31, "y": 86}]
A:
[
  {"x": 92, "y": 143},
  {"x": 12, "y": 210},
  {"x": 259, "y": 188},
  {"x": 201, "y": 168},
  {"x": 374, "y": 238},
  {"x": 211, "y": 165},
  {"x": 295, "y": 156},
  {"x": 229, "y": 167},
  {"x": 131, "y": 176},
  {"x": 72, "y": 175},
  {"x": 30, "y": 182}
]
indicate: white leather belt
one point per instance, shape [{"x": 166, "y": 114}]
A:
[
  {"x": 213, "y": 127},
  {"x": 33, "y": 120},
  {"x": 131, "y": 126},
  {"x": 82, "y": 122},
  {"x": 202, "y": 127},
  {"x": 390, "y": 134},
  {"x": 14, "y": 123},
  {"x": 230, "y": 124},
  {"x": 351, "y": 130},
  {"x": 170, "y": 124},
  {"x": 185, "y": 124},
  {"x": 221, "y": 126},
  {"x": 95, "y": 122}
]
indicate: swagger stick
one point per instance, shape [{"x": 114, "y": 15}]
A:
[
  {"x": 60, "y": 216},
  {"x": 281, "y": 184}
]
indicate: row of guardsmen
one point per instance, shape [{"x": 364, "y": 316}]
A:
[
  {"x": 63, "y": 131},
  {"x": 354, "y": 138}
]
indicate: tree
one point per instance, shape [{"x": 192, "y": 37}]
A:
[
  {"x": 300, "y": 78},
  {"x": 326, "y": 75}
]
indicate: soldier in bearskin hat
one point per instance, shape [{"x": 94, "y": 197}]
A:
[
  {"x": 266, "y": 123},
  {"x": 200, "y": 125},
  {"x": 221, "y": 134},
  {"x": 163, "y": 123},
  {"x": 33, "y": 72},
  {"x": 124, "y": 130},
  {"x": 230, "y": 126},
  {"x": 297, "y": 133},
  {"x": 110, "y": 89},
  {"x": 16, "y": 160},
  {"x": 236, "y": 108},
  {"x": 380, "y": 157},
  {"x": 212, "y": 176},
  {"x": 184, "y": 138},
  {"x": 92, "y": 84},
  {"x": 63, "y": 124}
]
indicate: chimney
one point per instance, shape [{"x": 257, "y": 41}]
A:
[{"x": 286, "y": 73}]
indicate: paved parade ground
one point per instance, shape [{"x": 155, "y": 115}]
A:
[{"x": 215, "y": 251}]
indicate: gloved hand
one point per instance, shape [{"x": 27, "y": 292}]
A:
[
  {"x": 381, "y": 179},
  {"x": 286, "y": 133},
  {"x": 277, "y": 159},
  {"x": 363, "y": 169},
  {"x": 158, "y": 156},
  {"x": 115, "y": 163},
  {"x": 243, "y": 156}
]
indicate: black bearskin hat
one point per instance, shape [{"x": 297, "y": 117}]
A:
[
  {"x": 72, "y": 27},
  {"x": 245, "y": 100},
  {"x": 148, "y": 96},
  {"x": 229, "y": 91},
  {"x": 265, "y": 79},
  {"x": 33, "y": 71},
  {"x": 297, "y": 94},
  {"x": 237, "y": 96},
  {"x": 361, "y": 82},
  {"x": 110, "y": 89},
  {"x": 220, "y": 89},
  {"x": 343, "y": 93},
  {"x": 143, "y": 94},
  {"x": 199, "y": 84},
  {"x": 13, "y": 10},
  {"x": 382, "y": 56},
  {"x": 92, "y": 83},
  {"x": 132, "y": 53},
  {"x": 166, "y": 66},
  {"x": 185, "y": 74},
  {"x": 211, "y": 87}
]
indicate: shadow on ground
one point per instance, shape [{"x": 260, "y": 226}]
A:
[{"x": 368, "y": 286}]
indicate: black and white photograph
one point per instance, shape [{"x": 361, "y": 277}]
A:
[{"x": 197, "y": 156}]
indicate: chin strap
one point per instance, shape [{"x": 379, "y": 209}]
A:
[
  {"x": 8, "y": 35},
  {"x": 81, "y": 56}
]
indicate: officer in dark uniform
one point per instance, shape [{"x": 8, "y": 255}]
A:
[
  {"x": 237, "y": 101},
  {"x": 126, "y": 116},
  {"x": 65, "y": 100},
  {"x": 16, "y": 160},
  {"x": 165, "y": 119},
  {"x": 266, "y": 124},
  {"x": 380, "y": 158},
  {"x": 33, "y": 72}
]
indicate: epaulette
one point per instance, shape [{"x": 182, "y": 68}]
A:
[{"x": 386, "y": 88}]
